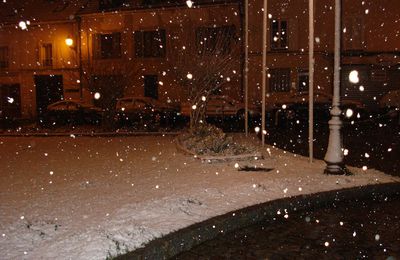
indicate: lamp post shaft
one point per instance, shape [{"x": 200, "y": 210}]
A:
[
  {"x": 334, "y": 153},
  {"x": 246, "y": 67},
  {"x": 264, "y": 72},
  {"x": 311, "y": 80}
]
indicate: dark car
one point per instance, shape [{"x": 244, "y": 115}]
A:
[
  {"x": 144, "y": 110},
  {"x": 295, "y": 106},
  {"x": 72, "y": 112}
]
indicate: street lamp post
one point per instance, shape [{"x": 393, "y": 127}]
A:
[
  {"x": 311, "y": 79},
  {"x": 246, "y": 66},
  {"x": 334, "y": 153},
  {"x": 264, "y": 72}
]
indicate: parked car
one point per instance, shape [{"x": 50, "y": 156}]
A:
[
  {"x": 390, "y": 104},
  {"x": 222, "y": 106},
  {"x": 72, "y": 111},
  {"x": 144, "y": 109},
  {"x": 296, "y": 106}
]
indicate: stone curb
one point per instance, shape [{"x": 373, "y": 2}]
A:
[
  {"x": 184, "y": 239},
  {"x": 210, "y": 159}
]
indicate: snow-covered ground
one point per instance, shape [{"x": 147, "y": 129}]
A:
[{"x": 90, "y": 198}]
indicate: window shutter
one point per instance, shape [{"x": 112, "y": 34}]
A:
[
  {"x": 293, "y": 34},
  {"x": 116, "y": 38},
  {"x": 96, "y": 46},
  {"x": 163, "y": 43}
]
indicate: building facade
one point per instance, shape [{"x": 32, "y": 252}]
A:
[
  {"x": 131, "y": 48},
  {"x": 370, "y": 45}
]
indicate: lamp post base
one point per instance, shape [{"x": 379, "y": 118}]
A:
[{"x": 336, "y": 169}]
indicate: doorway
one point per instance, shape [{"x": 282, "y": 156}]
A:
[
  {"x": 10, "y": 104},
  {"x": 49, "y": 89},
  {"x": 151, "y": 86}
]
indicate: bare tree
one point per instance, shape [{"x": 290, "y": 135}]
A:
[{"x": 203, "y": 63}]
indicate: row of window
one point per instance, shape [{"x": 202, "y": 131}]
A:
[
  {"x": 152, "y": 44},
  {"x": 148, "y": 44},
  {"x": 46, "y": 55}
]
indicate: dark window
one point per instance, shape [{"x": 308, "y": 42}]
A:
[
  {"x": 150, "y": 44},
  {"x": 279, "y": 35},
  {"x": 215, "y": 40},
  {"x": 3, "y": 57},
  {"x": 108, "y": 46},
  {"x": 110, "y": 4},
  {"x": 47, "y": 54},
  {"x": 379, "y": 75},
  {"x": 279, "y": 80},
  {"x": 302, "y": 84}
]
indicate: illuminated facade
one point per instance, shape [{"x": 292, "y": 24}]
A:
[{"x": 120, "y": 48}]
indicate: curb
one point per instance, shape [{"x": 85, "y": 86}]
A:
[
  {"x": 211, "y": 159},
  {"x": 103, "y": 134},
  {"x": 186, "y": 238}
]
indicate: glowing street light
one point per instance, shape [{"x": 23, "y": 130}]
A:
[{"x": 69, "y": 41}]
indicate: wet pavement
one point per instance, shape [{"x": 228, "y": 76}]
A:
[
  {"x": 371, "y": 143},
  {"x": 346, "y": 231}
]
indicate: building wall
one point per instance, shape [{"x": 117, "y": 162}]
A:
[
  {"x": 24, "y": 51},
  {"x": 371, "y": 40},
  {"x": 180, "y": 26},
  {"x": 370, "y": 30}
]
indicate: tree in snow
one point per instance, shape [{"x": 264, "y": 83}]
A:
[{"x": 203, "y": 65}]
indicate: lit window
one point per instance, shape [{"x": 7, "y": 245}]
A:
[{"x": 47, "y": 54}]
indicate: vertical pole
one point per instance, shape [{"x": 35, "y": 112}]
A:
[
  {"x": 246, "y": 66},
  {"x": 334, "y": 154},
  {"x": 311, "y": 79},
  {"x": 79, "y": 43},
  {"x": 264, "y": 73}
]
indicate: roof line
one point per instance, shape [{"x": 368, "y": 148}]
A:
[{"x": 155, "y": 9}]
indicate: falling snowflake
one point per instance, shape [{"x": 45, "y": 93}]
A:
[
  {"x": 189, "y": 3},
  {"x": 97, "y": 95},
  {"x": 353, "y": 77},
  {"x": 22, "y": 25}
]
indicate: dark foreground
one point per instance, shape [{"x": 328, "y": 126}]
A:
[
  {"x": 346, "y": 231},
  {"x": 371, "y": 143}
]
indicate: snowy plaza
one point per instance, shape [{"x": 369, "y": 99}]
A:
[{"x": 80, "y": 197}]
